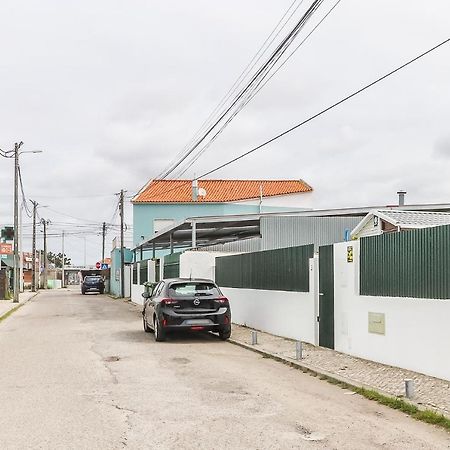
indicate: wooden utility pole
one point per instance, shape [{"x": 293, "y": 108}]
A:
[
  {"x": 16, "y": 223},
  {"x": 45, "y": 223},
  {"x": 103, "y": 241},
  {"x": 33, "y": 257},
  {"x": 122, "y": 251},
  {"x": 62, "y": 262}
]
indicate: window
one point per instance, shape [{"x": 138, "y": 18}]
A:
[
  {"x": 135, "y": 273},
  {"x": 193, "y": 289}
]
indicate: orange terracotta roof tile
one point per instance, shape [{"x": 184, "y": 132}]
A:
[{"x": 217, "y": 191}]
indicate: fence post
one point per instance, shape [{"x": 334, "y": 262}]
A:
[
  {"x": 409, "y": 388},
  {"x": 299, "y": 350},
  {"x": 254, "y": 337}
]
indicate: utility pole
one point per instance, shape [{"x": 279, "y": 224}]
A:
[
  {"x": 21, "y": 283},
  {"x": 122, "y": 252},
  {"x": 16, "y": 222},
  {"x": 62, "y": 263},
  {"x": 103, "y": 241},
  {"x": 33, "y": 263},
  {"x": 15, "y": 154},
  {"x": 45, "y": 223}
]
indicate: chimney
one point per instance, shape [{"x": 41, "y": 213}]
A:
[
  {"x": 401, "y": 197},
  {"x": 194, "y": 190}
]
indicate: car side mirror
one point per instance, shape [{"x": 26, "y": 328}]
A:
[{"x": 146, "y": 294}]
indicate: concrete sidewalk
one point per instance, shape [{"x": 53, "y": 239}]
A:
[
  {"x": 430, "y": 393},
  {"x": 8, "y": 305}
]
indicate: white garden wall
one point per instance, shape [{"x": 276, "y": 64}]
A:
[
  {"x": 138, "y": 289},
  {"x": 417, "y": 335},
  {"x": 199, "y": 264},
  {"x": 136, "y": 294},
  {"x": 288, "y": 314}
]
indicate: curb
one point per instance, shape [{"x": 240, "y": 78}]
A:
[
  {"x": 332, "y": 378},
  {"x": 15, "y": 308}
]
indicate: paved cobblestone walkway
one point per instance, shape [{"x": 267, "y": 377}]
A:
[{"x": 432, "y": 393}]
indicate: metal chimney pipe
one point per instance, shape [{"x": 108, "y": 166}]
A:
[
  {"x": 194, "y": 190},
  {"x": 401, "y": 197}
]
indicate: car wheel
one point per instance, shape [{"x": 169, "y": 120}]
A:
[
  {"x": 147, "y": 329},
  {"x": 160, "y": 334},
  {"x": 225, "y": 333}
]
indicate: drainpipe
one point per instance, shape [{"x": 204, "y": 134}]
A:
[
  {"x": 194, "y": 190},
  {"x": 260, "y": 198},
  {"x": 194, "y": 234}
]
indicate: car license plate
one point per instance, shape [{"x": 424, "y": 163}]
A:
[{"x": 198, "y": 322}]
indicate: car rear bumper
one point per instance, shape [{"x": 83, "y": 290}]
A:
[
  {"x": 92, "y": 289},
  {"x": 171, "y": 320}
]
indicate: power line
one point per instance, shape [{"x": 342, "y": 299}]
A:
[
  {"x": 309, "y": 119},
  {"x": 24, "y": 199},
  {"x": 256, "y": 78},
  {"x": 264, "y": 47},
  {"x": 255, "y": 90}
]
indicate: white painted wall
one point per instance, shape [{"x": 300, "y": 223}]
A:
[
  {"x": 128, "y": 279},
  {"x": 417, "y": 334},
  {"x": 288, "y": 314},
  {"x": 199, "y": 264},
  {"x": 138, "y": 289},
  {"x": 283, "y": 313},
  {"x": 298, "y": 200},
  {"x": 136, "y": 294}
]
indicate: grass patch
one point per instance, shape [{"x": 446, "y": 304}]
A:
[
  {"x": 6, "y": 315},
  {"x": 427, "y": 416}
]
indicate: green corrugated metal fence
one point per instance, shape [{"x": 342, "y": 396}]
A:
[
  {"x": 172, "y": 265},
  {"x": 285, "y": 269},
  {"x": 407, "y": 264},
  {"x": 143, "y": 272}
]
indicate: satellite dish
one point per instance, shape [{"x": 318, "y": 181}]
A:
[{"x": 202, "y": 192}]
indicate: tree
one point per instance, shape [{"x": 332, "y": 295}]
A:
[{"x": 56, "y": 259}]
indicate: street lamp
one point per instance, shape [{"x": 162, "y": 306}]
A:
[{"x": 15, "y": 154}]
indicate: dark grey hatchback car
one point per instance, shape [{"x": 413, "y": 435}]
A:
[{"x": 186, "y": 304}]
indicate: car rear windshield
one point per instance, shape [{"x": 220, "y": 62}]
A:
[
  {"x": 93, "y": 279},
  {"x": 191, "y": 289}
]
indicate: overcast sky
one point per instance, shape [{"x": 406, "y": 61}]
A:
[{"x": 111, "y": 91}]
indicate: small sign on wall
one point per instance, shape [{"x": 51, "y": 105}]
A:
[
  {"x": 350, "y": 254},
  {"x": 377, "y": 323}
]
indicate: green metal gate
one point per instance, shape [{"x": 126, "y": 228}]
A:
[{"x": 326, "y": 297}]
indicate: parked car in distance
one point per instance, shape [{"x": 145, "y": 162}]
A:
[
  {"x": 92, "y": 283},
  {"x": 186, "y": 304}
]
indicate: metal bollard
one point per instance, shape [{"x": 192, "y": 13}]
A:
[
  {"x": 409, "y": 388},
  {"x": 299, "y": 350},
  {"x": 254, "y": 337}
]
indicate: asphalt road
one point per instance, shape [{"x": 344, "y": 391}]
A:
[{"x": 78, "y": 372}]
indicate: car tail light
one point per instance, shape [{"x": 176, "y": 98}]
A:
[
  {"x": 164, "y": 322},
  {"x": 168, "y": 301},
  {"x": 197, "y": 328},
  {"x": 222, "y": 300}
]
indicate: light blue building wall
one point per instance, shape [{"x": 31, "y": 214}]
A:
[
  {"x": 114, "y": 282},
  {"x": 144, "y": 214}
]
